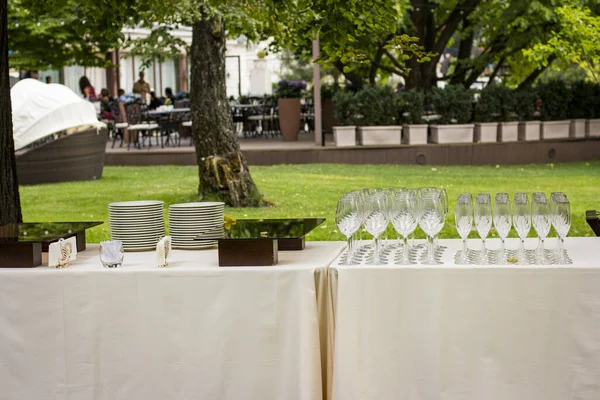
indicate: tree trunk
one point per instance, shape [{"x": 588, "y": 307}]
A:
[
  {"x": 222, "y": 167},
  {"x": 10, "y": 203}
]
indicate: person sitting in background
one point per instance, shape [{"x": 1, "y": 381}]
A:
[
  {"x": 169, "y": 97},
  {"x": 105, "y": 107},
  {"x": 48, "y": 79},
  {"x": 121, "y": 95},
  {"x": 87, "y": 90},
  {"x": 155, "y": 102}
]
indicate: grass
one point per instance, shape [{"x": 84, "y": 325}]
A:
[{"x": 310, "y": 190}]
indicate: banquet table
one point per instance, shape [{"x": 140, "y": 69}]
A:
[
  {"x": 473, "y": 332},
  {"x": 192, "y": 330}
]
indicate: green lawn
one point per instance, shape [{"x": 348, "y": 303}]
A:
[{"x": 309, "y": 190}]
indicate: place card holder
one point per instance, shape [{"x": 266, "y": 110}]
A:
[{"x": 62, "y": 252}]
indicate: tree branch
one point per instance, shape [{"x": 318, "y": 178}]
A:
[
  {"x": 535, "y": 74},
  {"x": 496, "y": 70},
  {"x": 452, "y": 22}
]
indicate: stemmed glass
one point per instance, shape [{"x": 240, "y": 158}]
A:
[
  {"x": 431, "y": 218},
  {"x": 561, "y": 220},
  {"x": 502, "y": 221},
  {"x": 463, "y": 216},
  {"x": 403, "y": 215},
  {"x": 347, "y": 218},
  {"x": 483, "y": 219},
  {"x": 376, "y": 205},
  {"x": 542, "y": 219},
  {"x": 521, "y": 221}
]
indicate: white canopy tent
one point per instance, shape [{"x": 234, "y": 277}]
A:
[{"x": 40, "y": 110}]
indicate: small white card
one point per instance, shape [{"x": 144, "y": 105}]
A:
[{"x": 54, "y": 252}]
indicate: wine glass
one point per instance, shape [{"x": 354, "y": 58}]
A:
[
  {"x": 483, "y": 219},
  {"x": 542, "y": 220},
  {"x": 561, "y": 220},
  {"x": 348, "y": 220},
  {"x": 403, "y": 215},
  {"x": 521, "y": 221},
  {"x": 376, "y": 221},
  {"x": 463, "y": 215},
  {"x": 502, "y": 221},
  {"x": 431, "y": 218}
]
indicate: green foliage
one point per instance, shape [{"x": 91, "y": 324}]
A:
[
  {"x": 53, "y": 34},
  {"x": 377, "y": 106},
  {"x": 453, "y": 103},
  {"x": 525, "y": 106},
  {"x": 345, "y": 108},
  {"x": 158, "y": 45},
  {"x": 556, "y": 99},
  {"x": 412, "y": 103},
  {"x": 585, "y": 101},
  {"x": 496, "y": 103},
  {"x": 575, "y": 40},
  {"x": 328, "y": 91},
  {"x": 290, "y": 89}
]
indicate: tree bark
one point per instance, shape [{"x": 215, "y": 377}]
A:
[
  {"x": 10, "y": 203},
  {"x": 354, "y": 78},
  {"x": 222, "y": 168}
]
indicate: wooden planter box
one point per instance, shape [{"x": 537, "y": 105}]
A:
[
  {"x": 452, "y": 133},
  {"x": 592, "y": 128},
  {"x": 486, "y": 132},
  {"x": 344, "y": 135},
  {"x": 529, "y": 130},
  {"x": 555, "y": 129},
  {"x": 508, "y": 131},
  {"x": 380, "y": 135},
  {"x": 577, "y": 128},
  {"x": 414, "y": 134}
]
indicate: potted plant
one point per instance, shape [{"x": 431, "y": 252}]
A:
[
  {"x": 555, "y": 97},
  {"x": 592, "y": 126},
  {"x": 327, "y": 107},
  {"x": 346, "y": 112},
  {"x": 525, "y": 109},
  {"x": 412, "y": 105},
  {"x": 580, "y": 108},
  {"x": 288, "y": 102},
  {"x": 508, "y": 126},
  {"x": 377, "y": 106},
  {"x": 454, "y": 104},
  {"x": 487, "y": 113}
]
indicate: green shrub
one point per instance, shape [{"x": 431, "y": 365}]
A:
[
  {"x": 411, "y": 102},
  {"x": 453, "y": 103},
  {"x": 377, "y": 106},
  {"x": 525, "y": 104},
  {"x": 345, "y": 108},
  {"x": 328, "y": 91},
  {"x": 556, "y": 99},
  {"x": 585, "y": 100},
  {"x": 496, "y": 103}
]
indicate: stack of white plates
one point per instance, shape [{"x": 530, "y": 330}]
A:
[
  {"x": 138, "y": 224},
  {"x": 188, "y": 220}
]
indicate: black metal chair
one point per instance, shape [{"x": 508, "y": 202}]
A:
[{"x": 593, "y": 220}]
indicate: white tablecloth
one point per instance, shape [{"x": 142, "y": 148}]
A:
[
  {"x": 190, "y": 331},
  {"x": 469, "y": 333}
]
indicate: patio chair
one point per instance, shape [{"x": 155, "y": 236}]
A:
[{"x": 140, "y": 125}]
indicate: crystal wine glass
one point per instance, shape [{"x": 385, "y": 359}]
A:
[
  {"x": 561, "y": 220},
  {"x": 403, "y": 215},
  {"x": 347, "y": 218},
  {"x": 483, "y": 219},
  {"x": 542, "y": 220},
  {"x": 502, "y": 221},
  {"x": 376, "y": 219},
  {"x": 431, "y": 218},
  {"x": 463, "y": 216},
  {"x": 521, "y": 221}
]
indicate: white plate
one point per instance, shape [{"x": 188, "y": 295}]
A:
[
  {"x": 140, "y": 239},
  {"x": 198, "y": 204},
  {"x": 141, "y": 224},
  {"x": 136, "y": 203}
]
